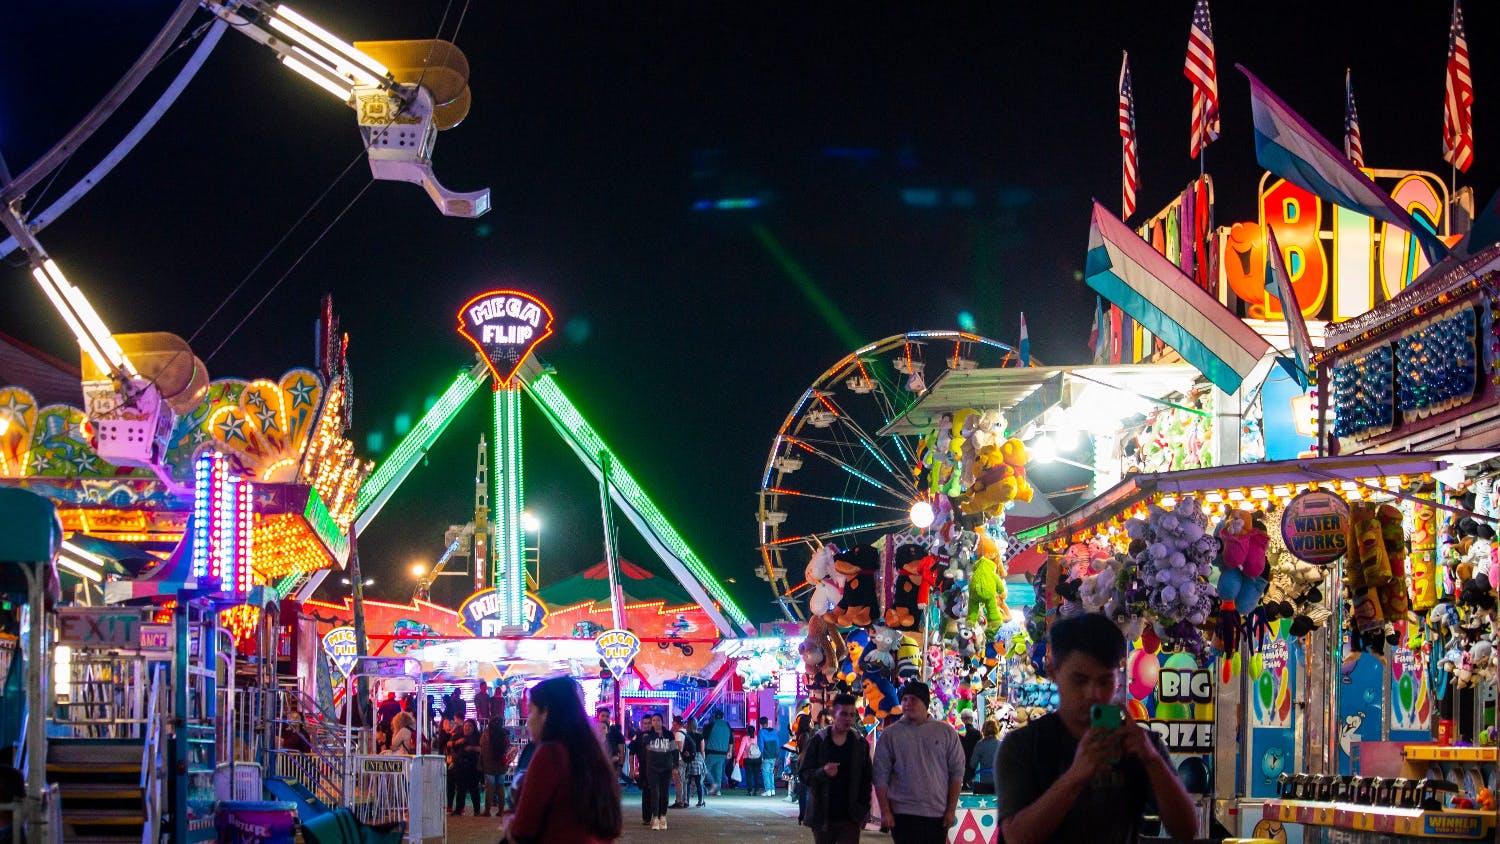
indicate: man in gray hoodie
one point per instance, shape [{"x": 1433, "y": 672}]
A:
[{"x": 919, "y": 770}]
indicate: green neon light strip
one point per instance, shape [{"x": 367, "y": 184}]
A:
[
  {"x": 546, "y": 391},
  {"x": 421, "y": 438},
  {"x": 508, "y": 494}
]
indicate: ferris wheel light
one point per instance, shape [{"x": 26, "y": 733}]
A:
[{"x": 922, "y": 515}]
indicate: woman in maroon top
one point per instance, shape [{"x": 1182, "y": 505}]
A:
[{"x": 570, "y": 793}]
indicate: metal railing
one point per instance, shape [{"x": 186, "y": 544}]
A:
[
  {"x": 102, "y": 696},
  {"x": 321, "y": 776},
  {"x": 152, "y": 763}
]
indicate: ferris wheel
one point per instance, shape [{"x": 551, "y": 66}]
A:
[{"x": 831, "y": 475}]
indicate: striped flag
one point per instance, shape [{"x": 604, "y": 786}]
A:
[
  {"x": 1288, "y": 147},
  {"x": 1458, "y": 104},
  {"x": 1129, "y": 183},
  {"x": 1025, "y": 342},
  {"x": 1202, "y": 70},
  {"x": 1145, "y": 285},
  {"x": 1279, "y": 284},
  {"x": 1354, "y": 148}
]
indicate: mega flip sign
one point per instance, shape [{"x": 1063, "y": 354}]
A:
[
  {"x": 616, "y": 649},
  {"x": 505, "y": 325}
]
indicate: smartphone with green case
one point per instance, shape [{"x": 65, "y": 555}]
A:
[{"x": 1107, "y": 716}]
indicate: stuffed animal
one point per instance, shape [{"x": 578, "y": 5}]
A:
[
  {"x": 860, "y": 604},
  {"x": 855, "y": 643},
  {"x": 880, "y": 697},
  {"x": 986, "y": 590},
  {"x": 880, "y": 656},
  {"x": 826, "y": 581},
  {"x": 905, "y": 608},
  {"x": 908, "y": 660},
  {"x": 1243, "y": 561},
  {"x": 821, "y": 651},
  {"x": 969, "y": 641}
]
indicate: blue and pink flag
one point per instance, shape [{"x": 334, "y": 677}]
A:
[
  {"x": 1025, "y": 342},
  {"x": 1279, "y": 284},
  {"x": 1290, "y": 148},
  {"x": 1124, "y": 269}
]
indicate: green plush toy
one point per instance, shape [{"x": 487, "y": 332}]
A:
[{"x": 984, "y": 589}]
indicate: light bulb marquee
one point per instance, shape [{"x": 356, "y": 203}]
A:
[
  {"x": 505, "y": 325},
  {"x": 223, "y": 524}
]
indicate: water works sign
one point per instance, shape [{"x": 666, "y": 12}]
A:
[
  {"x": 1315, "y": 527},
  {"x": 479, "y": 614},
  {"x": 505, "y": 325}
]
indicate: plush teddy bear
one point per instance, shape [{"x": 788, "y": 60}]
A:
[
  {"x": 860, "y": 603},
  {"x": 826, "y": 581}
]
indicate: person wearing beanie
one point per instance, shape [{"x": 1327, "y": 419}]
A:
[
  {"x": 919, "y": 770},
  {"x": 1061, "y": 780}
]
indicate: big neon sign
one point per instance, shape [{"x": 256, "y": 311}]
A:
[
  {"x": 505, "y": 325},
  {"x": 1355, "y": 272}
]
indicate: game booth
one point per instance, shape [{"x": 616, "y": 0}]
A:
[{"x": 1310, "y": 638}]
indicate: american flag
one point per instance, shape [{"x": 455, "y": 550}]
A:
[
  {"x": 1354, "y": 148},
  {"x": 1458, "y": 105},
  {"x": 1127, "y": 135},
  {"x": 1201, "y": 70}
]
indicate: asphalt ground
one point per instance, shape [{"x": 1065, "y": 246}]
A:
[{"x": 724, "y": 818}]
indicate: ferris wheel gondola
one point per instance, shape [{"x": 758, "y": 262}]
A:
[{"x": 831, "y": 475}]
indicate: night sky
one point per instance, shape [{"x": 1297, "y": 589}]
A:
[{"x": 597, "y": 127}]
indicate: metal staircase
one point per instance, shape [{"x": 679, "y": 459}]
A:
[{"x": 107, "y": 763}]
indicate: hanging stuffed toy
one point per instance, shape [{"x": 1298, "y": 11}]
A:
[
  {"x": 860, "y": 604},
  {"x": 826, "y": 581},
  {"x": 905, "y": 608},
  {"x": 821, "y": 651},
  {"x": 987, "y": 588},
  {"x": 908, "y": 660}
]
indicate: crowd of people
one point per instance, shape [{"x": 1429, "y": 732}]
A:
[{"x": 1061, "y": 778}]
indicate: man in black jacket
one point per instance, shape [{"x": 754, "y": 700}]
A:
[{"x": 837, "y": 770}]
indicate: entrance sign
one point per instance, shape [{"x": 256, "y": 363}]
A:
[
  {"x": 617, "y": 648},
  {"x": 1315, "y": 527},
  {"x": 505, "y": 325}
]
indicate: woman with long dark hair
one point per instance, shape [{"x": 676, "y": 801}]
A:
[{"x": 570, "y": 794}]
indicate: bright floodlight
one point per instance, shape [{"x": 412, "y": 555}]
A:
[
  {"x": 921, "y": 515},
  {"x": 1043, "y": 449},
  {"x": 418, "y": 569},
  {"x": 530, "y": 523},
  {"x": 1066, "y": 438}
]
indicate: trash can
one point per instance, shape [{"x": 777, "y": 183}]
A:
[{"x": 244, "y": 821}]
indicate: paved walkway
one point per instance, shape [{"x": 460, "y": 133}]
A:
[{"x": 726, "y": 818}]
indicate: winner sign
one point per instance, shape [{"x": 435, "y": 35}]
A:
[{"x": 505, "y": 325}]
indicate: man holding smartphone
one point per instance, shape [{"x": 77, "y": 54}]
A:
[{"x": 1070, "y": 776}]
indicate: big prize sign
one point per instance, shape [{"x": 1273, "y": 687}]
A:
[
  {"x": 617, "y": 648},
  {"x": 505, "y": 325}
]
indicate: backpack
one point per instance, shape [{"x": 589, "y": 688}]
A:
[{"x": 689, "y": 747}]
